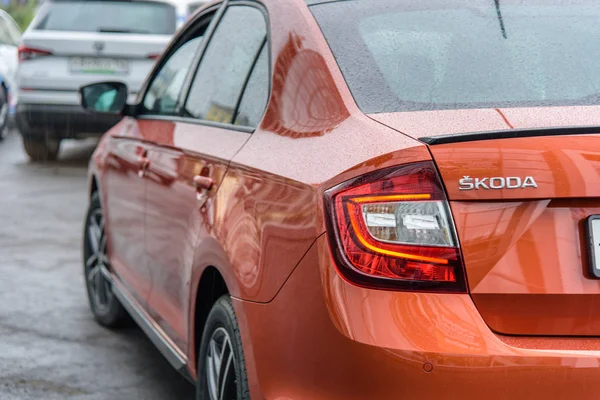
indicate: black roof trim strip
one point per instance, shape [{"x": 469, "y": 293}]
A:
[{"x": 510, "y": 134}]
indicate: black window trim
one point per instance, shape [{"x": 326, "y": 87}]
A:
[
  {"x": 236, "y": 110},
  {"x": 181, "y": 38},
  {"x": 189, "y": 79},
  {"x": 142, "y": 110},
  {"x": 196, "y": 64},
  {"x": 188, "y": 84},
  {"x": 267, "y": 42},
  {"x": 196, "y": 121}
]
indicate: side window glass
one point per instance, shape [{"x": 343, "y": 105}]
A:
[
  {"x": 256, "y": 94},
  {"x": 161, "y": 98},
  {"x": 225, "y": 66}
]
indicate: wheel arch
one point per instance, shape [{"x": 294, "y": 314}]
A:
[
  {"x": 211, "y": 286},
  {"x": 93, "y": 185},
  {"x": 95, "y": 182}
]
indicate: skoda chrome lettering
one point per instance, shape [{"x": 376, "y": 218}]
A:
[{"x": 497, "y": 182}]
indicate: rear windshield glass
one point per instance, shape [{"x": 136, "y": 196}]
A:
[
  {"x": 110, "y": 16},
  {"x": 406, "y": 55}
]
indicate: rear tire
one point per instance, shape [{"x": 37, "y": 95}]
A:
[
  {"x": 221, "y": 365},
  {"x": 105, "y": 306},
  {"x": 41, "y": 149}
]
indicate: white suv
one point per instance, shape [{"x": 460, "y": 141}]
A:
[
  {"x": 72, "y": 43},
  {"x": 187, "y": 8}
]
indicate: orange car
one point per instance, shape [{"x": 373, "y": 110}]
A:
[{"x": 356, "y": 200}]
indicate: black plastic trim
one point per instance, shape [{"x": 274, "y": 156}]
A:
[
  {"x": 594, "y": 269},
  {"x": 196, "y": 121},
  {"x": 157, "y": 336},
  {"x": 510, "y": 134}
]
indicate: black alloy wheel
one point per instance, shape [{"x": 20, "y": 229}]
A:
[
  {"x": 221, "y": 365},
  {"x": 106, "y": 308}
]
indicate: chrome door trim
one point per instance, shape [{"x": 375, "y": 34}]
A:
[{"x": 156, "y": 335}]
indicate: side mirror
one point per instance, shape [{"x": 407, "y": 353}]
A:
[{"x": 104, "y": 97}]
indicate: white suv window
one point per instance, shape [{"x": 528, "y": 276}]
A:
[{"x": 143, "y": 17}]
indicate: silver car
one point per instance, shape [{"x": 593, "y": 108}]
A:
[
  {"x": 72, "y": 43},
  {"x": 10, "y": 34}
]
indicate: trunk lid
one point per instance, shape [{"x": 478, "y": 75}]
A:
[{"x": 525, "y": 246}]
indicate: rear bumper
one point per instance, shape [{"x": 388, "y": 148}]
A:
[
  {"x": 322, "y": 338},
  {"x": 61, "y": 121}
]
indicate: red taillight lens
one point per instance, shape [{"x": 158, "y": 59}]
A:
[
  {"x": 393, "y": 229},
  {"x": 29, "y": 53},
  {"x": 153, "y": 56}
]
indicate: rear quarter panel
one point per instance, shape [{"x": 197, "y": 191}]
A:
[{"x": 312, "y": 136}]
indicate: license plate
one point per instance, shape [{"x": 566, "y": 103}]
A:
[
  {"x": 593, "y": 231},
  {"x": 104, "y": 66}
]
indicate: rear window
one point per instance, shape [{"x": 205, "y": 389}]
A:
[
  {"x": 404, "y": 55},
  {"x": 109, "y": 16}
]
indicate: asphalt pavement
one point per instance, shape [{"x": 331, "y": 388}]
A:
[{"x": 50, "y": 346}]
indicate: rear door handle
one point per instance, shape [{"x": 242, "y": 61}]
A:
[
  {"x": 203, "y": 183},
  {"x": 143, "y": 164}
]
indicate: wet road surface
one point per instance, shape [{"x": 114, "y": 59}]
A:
[{"x": 50, "y": 346}]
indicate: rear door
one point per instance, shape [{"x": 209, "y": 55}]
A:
[
  {"x": 128, "y": 170},
  {"x": 75, "y": 42},
  {"x": 521, "y": 207},
  {"x": 187, "y": 167}
]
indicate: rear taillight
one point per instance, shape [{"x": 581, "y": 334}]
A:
[
  {"x": 29, "y": 53},
  {"x": 153, "y": 56},
  {"x": 393, "y": 229}
]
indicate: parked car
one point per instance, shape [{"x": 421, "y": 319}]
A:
[
  {"x": 186, "y": 8},
  {"x": 367, "y": 199},
  {"x": 4, "y": 106},
  {"x": 74, "y": 42},
  {"x": 10, "y": 34}
]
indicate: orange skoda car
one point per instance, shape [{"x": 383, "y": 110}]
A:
[{"x": 359, "y": 200}]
